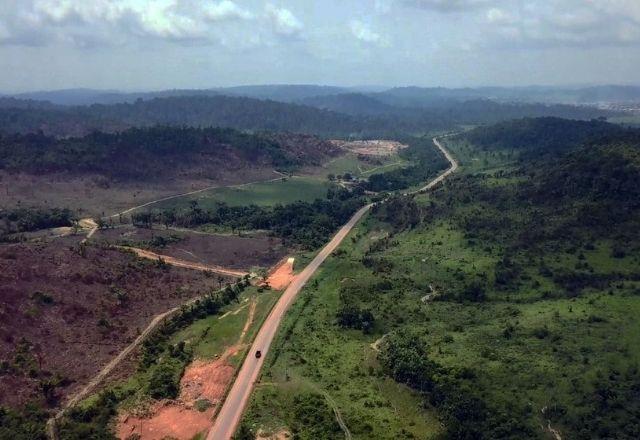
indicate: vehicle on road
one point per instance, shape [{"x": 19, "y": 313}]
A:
[{"x": 258, "y": 354}]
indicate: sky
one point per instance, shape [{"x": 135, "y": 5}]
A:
[{"x": 167, "y": 44}]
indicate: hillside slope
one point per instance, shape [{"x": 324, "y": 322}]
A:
[
  {"x": 507, "y": 300},
  {"x": 151, "y": 153}
]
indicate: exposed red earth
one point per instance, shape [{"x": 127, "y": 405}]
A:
[{"x": 236, "y": 401}]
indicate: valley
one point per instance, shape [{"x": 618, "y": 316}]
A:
[{"x": 444, "y": 284}]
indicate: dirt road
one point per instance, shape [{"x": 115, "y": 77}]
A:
[
  {"x": 197, "y": 191},
  {"x": 143, "y": 253},
  {"x": 229, "y": 416}
]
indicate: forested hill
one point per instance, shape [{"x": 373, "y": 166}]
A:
[
  {"x": 540, "y": 279},
  {"x": 195, "y": 111},
  {"x": 160, "y": 151},
  {"x": 538, "y": 136},
  {"x": 329, "y": 116}
]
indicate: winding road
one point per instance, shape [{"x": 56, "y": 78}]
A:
[{"x": 231, "y": 412}]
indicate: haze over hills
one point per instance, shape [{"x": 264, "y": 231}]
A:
[
  {"x": 278, "y": 108},
  {"x": 409, "y": 96},
  {"x": 340, "y": 219}
]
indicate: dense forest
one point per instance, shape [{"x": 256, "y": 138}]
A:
[
  {"x": 305, "y": 224},
  {"x": 533, "y": 137},
  {"x": 140, "y": 153},
  {"x": 342, "y": 115}
]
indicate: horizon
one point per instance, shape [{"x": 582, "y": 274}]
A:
[
  {"x": 188, "y": 44},
  {"x": 358, "y": 88}
]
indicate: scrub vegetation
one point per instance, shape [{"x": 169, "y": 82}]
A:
[{"x": 504, "y": 301}]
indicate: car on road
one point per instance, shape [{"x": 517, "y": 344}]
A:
[{"x": 258, "y": 354}]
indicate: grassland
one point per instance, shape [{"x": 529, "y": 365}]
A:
[
  {"x": 314, "y": 356},
  {"x": 205, "y": 339},
  {"x": 362, "y": 167},
  {"x": 285, "y": 190},
  {"x": 312, "y": 184},
  {"x": 520, "y": 358}
]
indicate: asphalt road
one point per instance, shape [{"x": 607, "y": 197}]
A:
[{"x": 233, "y": 407}]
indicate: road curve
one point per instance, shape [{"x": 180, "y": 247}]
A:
[{"x": 236, "y": 401}]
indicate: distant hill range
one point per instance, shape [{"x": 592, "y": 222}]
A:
[
  {"x": 397, "y": 96},
  {"x": 321, "y": 110}
]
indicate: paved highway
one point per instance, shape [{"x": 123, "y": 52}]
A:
[{"x": 230, "y": 414}]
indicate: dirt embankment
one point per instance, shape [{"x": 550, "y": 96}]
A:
[
  {"x": 282, "y": 275},
  {"x": 202, "y": 388}
]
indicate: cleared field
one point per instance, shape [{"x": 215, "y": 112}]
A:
[
  {"x": 284, "y": 191},
  {"x": 177, "y": 394},
  {"x": 93, "y": 196},
  {"x": 378, "y": 147},
  {"x": 78, "y": 299},
  {"x": 230, "y": 251}
]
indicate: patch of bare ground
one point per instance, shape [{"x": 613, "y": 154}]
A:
[
  {"x": 181, "y": 418},
  {"x": 282, "y": 275},
  {"x": 230, "y": 251},
  {"x": 281, "y": 434},
  {"x": 202, "y": 389},
  {"x": 371, "y": 147},
  {"x": 67, "y": 310},
  {"x": 96, "y": 195}
]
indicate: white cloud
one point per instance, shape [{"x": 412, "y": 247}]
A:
[
  {"x": 86, "y": 23},
  {"x": 364, "y": 33},
  {"x": 283, "y": 21},
  {"x": 224, "y": 10},
  {"x": 562, "y": 23}
]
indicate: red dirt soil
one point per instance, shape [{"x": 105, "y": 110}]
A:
[
  {"x": 280, "y": 278},
  {"x": 179, "y": 419}
]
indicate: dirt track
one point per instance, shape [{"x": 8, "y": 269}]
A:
[
  {"x": 229, "y": 416},
  {"x": 142, "y": 253}
]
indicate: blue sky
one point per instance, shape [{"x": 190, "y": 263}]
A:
[{"x": 158, "y": 44}]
